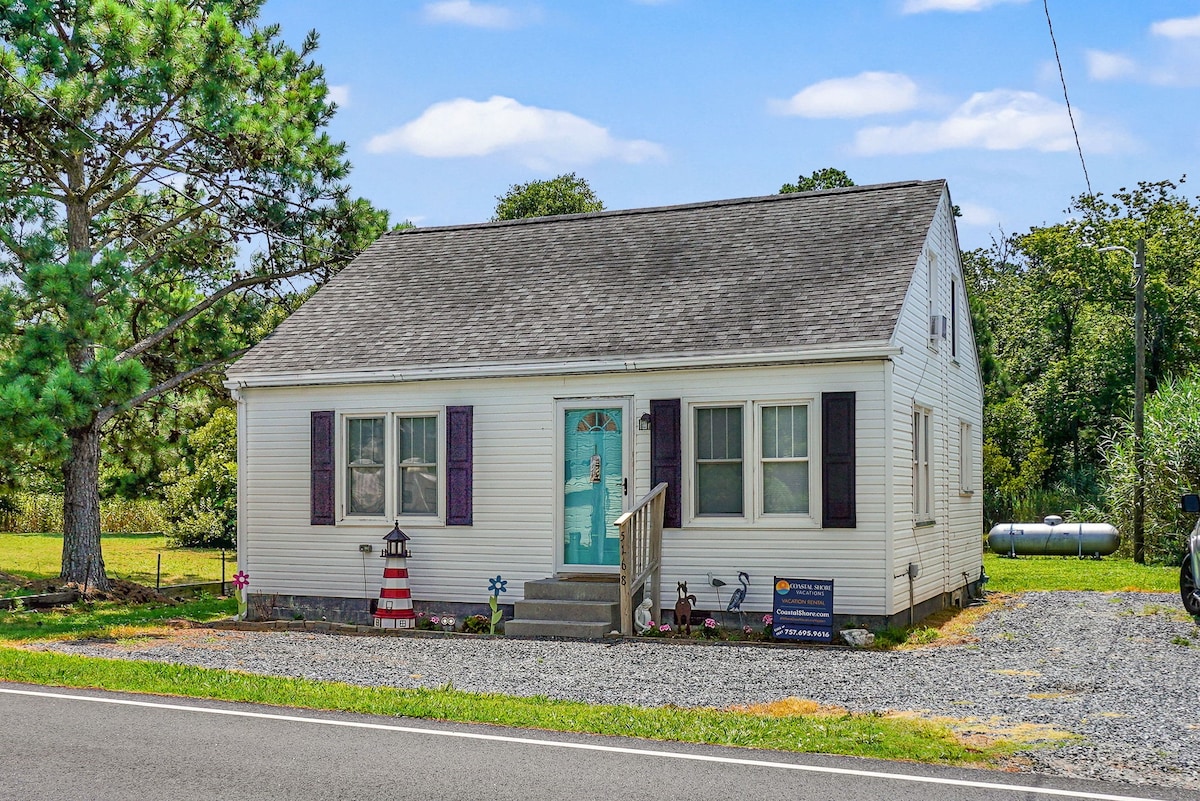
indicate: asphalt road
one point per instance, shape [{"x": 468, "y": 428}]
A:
[{"x": 60, "y": 744}]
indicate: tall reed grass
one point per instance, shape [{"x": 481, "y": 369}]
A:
[{"x": 31, "y": 513}]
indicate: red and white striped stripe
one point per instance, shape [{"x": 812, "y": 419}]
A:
[{"x": 395, "y": 610}]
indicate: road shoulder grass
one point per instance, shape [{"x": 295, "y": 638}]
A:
[{"x": 836, "y": 732}]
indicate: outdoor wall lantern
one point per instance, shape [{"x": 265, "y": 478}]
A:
[{"x": 644, "y": 421}]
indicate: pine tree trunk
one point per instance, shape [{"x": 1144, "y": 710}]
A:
[{"x": 82, "y": 561}]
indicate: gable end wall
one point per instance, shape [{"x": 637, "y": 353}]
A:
[{"x": 951, "y": 388}]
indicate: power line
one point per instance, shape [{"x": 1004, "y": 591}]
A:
[
  {"x": 1070, "y": 114},
  {"x": 42, "y": 101}
]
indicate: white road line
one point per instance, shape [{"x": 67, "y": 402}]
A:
[{"x": 1018, "y": 788}]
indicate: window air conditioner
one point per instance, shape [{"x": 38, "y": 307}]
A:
[{"x": 939, "y": 327}]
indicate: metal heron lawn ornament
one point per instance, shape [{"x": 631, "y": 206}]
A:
[{"x": 739, "y": 595}]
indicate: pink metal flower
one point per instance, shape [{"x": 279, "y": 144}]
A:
[
  {"x": 665, "y": 628},
  {"x": 768, "y": 619},
  {"x": 435, "y": 620},
  {"x": 709, "y": 623},
  {"x": 241, "y": 579}
]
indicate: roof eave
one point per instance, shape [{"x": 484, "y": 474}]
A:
[{"x": 859, "y": 352}]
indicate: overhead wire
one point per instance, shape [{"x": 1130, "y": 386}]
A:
[{"x": 1070, "y": 114}]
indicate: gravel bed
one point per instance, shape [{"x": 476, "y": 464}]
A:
[{"x": 1121, "y": 671}]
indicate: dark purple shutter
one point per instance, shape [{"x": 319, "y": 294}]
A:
[
  {"x": 320, "y": 502},
  {"x": 459, "y": 468},
  {"x": 837, "y": 460},
  {"x": 666, "y": 457}
]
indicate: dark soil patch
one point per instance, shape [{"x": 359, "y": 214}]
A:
[{"x": 121, "y": 590}]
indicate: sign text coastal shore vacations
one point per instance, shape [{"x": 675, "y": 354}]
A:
[{"x": 803, "y": 609}]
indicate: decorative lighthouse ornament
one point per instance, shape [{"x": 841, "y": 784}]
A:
[{"x": 395, "y": 609}]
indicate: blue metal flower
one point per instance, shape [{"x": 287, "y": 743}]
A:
[{"x": 496, "y": 586}]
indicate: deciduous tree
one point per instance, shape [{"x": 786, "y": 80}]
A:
[
  {"x": 565, "y": 194},
  {"x": 825, "y": 178}
]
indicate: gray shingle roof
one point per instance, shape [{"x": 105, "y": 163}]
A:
[{"x": 782, "y": 272}]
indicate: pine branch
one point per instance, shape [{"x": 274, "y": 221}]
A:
[
  {"x": 150, "y": 233},
  {"x": 106, "y": 413},
  {"x": 118, "y": 162},
  {"x": 173, "y": 326}
]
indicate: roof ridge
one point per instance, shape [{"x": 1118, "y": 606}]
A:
[{"x": 741, "y": 201}]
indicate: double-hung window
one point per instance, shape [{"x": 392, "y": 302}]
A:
[
  {"x": 366, "y": 466},
  {"x": 922, "y": 466},
  {"x": 751, "y": 460},
  {"x": 966, "y": 460},
  {"x": 784, "y": 456},
  {"x": 418, "y": 479},
  {"x": 719, "y": 488},
  {"x": 392, "y": 465}
]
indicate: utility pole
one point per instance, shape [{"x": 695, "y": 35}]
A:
[
  {"x": 1139, "y": 402},
  {"x": 1139, "y": 395}
]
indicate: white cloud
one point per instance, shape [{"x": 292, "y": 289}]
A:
[
  {"x": 339, "y": 95},
  {"x": 1002, "y": 119},
  {"x": 475, "y": 15},
  {"x": 864, "y": 94},
  {"x": 920, "y": 6},
  {"x": 1103, "y": 66},
  {"x": 977, "y": 215},
  {"x": 1177, "y": 28},
  {"x": 536, "y": 137}
]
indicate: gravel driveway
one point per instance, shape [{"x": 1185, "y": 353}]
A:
[{"x": 1120, "y": 670}]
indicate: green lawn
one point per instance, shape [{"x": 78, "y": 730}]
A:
[
  {"x": 106, "y": 619},
  {"x": 126, "y": 556},
  {"x": 1109, "y": 574}
]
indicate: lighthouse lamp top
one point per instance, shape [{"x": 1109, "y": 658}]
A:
[{"x": 396, "y": 543}]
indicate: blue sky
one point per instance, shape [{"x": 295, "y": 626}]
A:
[{"x": 444, "y": 104}]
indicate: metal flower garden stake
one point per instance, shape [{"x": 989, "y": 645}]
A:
[
  {"x": 241, "y": 580},
  {"x": 496, "y": 586}
]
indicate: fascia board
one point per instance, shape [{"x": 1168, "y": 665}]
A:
[{"x": 861, "y": 353}]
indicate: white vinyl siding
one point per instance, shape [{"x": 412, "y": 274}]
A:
[
  {"x": 515, "y": 496},
  {"x": 949, "y": 551}
]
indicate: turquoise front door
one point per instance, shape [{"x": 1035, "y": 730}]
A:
[{"x": 593, "y": 485}]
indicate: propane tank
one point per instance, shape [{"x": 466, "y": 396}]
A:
[{"x": 1053, "y": 537}]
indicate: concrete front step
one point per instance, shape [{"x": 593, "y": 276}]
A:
[
  {"x": 587, "y": 609},
  {"x": 569, "y": 590},
  {"x": 568, "y": 611},
  {"x": 557, "y": 628}
]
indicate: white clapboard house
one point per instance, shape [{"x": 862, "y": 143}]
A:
[{"x": 799, "y": 369}]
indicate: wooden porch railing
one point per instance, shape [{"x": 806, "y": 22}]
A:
[{"x": 641, "y": 553}]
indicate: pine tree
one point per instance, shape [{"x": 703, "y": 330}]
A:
[{"x": 165, "y": 182}]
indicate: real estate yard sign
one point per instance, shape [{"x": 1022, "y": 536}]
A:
[{"x": 803, "y": 610}]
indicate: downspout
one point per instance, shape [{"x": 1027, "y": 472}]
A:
[
  {"x": 889, "y": 491},
  {"x": 240, "y": 404}
]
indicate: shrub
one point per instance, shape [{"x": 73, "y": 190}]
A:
[{"x": 201, "y": 492}]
